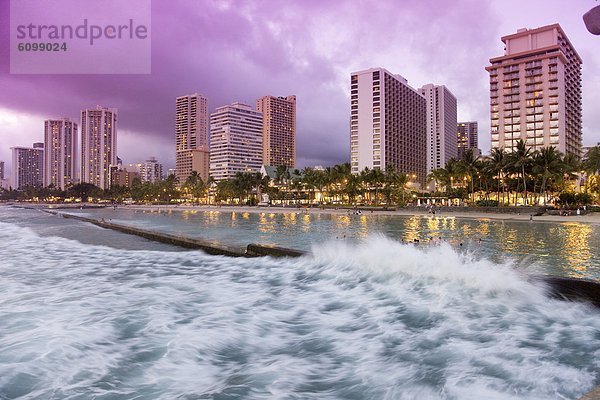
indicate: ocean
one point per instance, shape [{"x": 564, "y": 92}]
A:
[{"x": 87, "y": 313}]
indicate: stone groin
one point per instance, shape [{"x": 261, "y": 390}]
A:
[{"x": 209, "y": 247}]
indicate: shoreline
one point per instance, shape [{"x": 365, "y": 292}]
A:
[{"x": 592, "y": 218}]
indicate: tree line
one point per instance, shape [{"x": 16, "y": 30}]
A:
[{"x": 524, "y": 176}]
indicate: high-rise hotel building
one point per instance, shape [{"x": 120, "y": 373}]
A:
[
  {"x": 535, "y": 91},
  {"x": 235, "y": 141},
  {"x": 98, "y": 145},
  {"x": 191, "y": 135},
  {"x": 60, "y": 150},
  {"x": 441, "y": 125},
  {"x": 279, "y": 130},
  {"x": 388, "y": 124},
  {"x": 151, "y": 170},
  {"x": 467, "y": 138},
  {"x": 28, "y": 166}
]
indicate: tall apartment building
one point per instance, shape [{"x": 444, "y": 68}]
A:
[
  {"x": 151, "y": 170},
  {"x": 235, "y": 141},
  {"x": 467, "y": 138},
  {"x": 535, "y": 91},
  {"x": 4, "y": 183},
  {"x": 279, "y": 130},
  {"x": 28, "y": 166},
  {"x": 441, "y": 125},
  {"x": 98, "y": 145},
  {"x": 191, "y": 132},
  {"x": 60, "y": 151},
  {"x": 194, "y": 160},
  {"x": 388, "y": 124},
  {"x": 123, "y": 177}
]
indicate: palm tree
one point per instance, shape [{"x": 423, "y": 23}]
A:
[
  {"x": 469, "y": 165},
  {"x": 365, "y": 184},
  {"x": 282, "y": 175},
  {"x": 224, "y": 190},
  {"x": 521, "y": 159},
  {"x": 311, "y": 180},
  {"x": 486, "y": 176},
  {"x": 395, "y": 184},
  {"x": 547, "y": 163},
  {"x": 571, "y": 165},
  {"x": 591, "y": 164},
  {"x": 441, "y": 176},
  {"x": 195, "y": 185},
  {"x": 454, "y": 171},
  {"x": 259, "y": 182},
  {"x": 498, "y": 162},
  {"x": 339, "y": 176},
  {"x": 376, "y": 179},
  {"x": 352, "y": 187},
  {"x": 209, "y": 187}
]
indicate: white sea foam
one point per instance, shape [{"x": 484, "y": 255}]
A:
[{"x": 379, "y": 320}]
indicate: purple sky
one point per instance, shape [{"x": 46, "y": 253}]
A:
[{"x": 242, "y": 50}]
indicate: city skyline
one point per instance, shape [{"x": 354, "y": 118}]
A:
[{"x": 313, "y": 63}]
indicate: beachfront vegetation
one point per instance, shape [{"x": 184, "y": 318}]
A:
[{"x": 523, "y": 177}]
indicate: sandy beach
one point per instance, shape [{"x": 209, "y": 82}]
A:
[{"x": 592, "y": 218}]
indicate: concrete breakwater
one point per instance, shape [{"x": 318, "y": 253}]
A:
[{"x": 210, "y": 247}]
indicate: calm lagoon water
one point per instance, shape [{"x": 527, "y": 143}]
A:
[
  {"x": 87, "y": 313},
  {"x": 567, "y": 249}
]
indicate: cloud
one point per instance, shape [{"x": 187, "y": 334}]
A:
[{"x": 240, "y": 51}]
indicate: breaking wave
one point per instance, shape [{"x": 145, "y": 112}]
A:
[{"x": 380, "y": 320}]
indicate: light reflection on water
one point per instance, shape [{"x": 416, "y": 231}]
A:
[
  {"x": 576, "y": 248},
  {"x": 562, "y": 248}
]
